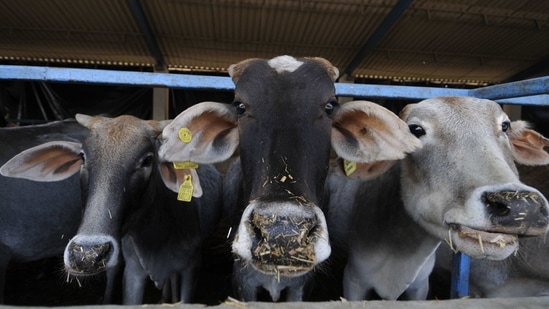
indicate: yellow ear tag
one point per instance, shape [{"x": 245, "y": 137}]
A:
[
  {"x": 184, "y": 165},
  {"x": 186, "y": 190},
  {"x": 349, "y": 167},
  {"x": 185, "y": 135}
]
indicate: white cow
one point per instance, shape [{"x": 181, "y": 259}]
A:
[{"x": 461, "y": 188}]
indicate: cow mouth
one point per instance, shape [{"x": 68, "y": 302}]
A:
[
  {"x": 486, "y": 242},
  {"x": 282, "y": 270},
  {"x": 80, "y": 274}
]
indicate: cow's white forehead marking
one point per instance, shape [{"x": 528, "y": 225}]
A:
[{"x": 285, "y": 64}]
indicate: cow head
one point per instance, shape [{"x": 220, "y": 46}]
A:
[
  {"x": 283, "y": 120},
  {"x": 117, "y": 165},
  {"x": 463, "y": 186}
]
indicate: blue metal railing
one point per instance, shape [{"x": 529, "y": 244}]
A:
[{"x": 527, "y": 92}]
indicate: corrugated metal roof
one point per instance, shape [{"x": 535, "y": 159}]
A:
[{"x": 449, "y": 41}]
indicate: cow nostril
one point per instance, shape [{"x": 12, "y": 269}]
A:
[
  {"x": 498, "y": 209},
  {"x": 258, "y": 232},
  {"x": 89, "y": 258},
  {"x": 313, "y": 232},
  {"x": 497, "y": 203},
  {"x": 514, "y": 203}
]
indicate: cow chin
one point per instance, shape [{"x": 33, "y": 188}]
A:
[
  {"x": 282, "y": 238},
  {"x": 482, "y": 244},
  {"x": 90, "y": 255}
]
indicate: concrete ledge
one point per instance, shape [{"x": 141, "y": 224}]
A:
[{"x": 527, "y": 302}]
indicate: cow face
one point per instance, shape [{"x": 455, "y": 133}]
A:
[
  {"x": 463, "y": 186},
  {"x": 117, "y": 163},
  {"x": 118, "y": 168},
  {"x": 283, "y": 120},
  {"x": 283, "y": 224}
]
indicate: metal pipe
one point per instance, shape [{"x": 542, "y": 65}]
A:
[
  {"x": 384, "y": 27},
  {"x": 145, "y": 28}
]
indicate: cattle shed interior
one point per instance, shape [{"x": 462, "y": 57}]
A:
[
  {"x": 155, "y": 58},
  {"x": 452, "y": 42}
]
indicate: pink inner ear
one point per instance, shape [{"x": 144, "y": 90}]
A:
[
  {"x": 173, "y": 178},
  {"x": 170, "y": 176},
  {"x": 212, "y": 134},
  {"x": 363, "y": 131},
  {"x": 528, "y": 148},
  {"x": 61, "y": 162},
  {"x": 53, "y": 161}
]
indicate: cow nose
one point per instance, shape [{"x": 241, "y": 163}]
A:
[
  {"x": 88, "y": 258},
  {"x": 517, "y": 212},
  {"x": 284, "y": 242}
]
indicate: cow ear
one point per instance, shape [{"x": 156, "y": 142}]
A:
[
  {"x": 86, "y": 120},
  {"x": 173, "y": 178},
  {"x": 235, "y": 70},
  {"x": 527, "y": 146},
  {"x": 204, "y": 133},
  {"x": 332, "y": 70},
  {"x": 363, "y": 131},
  {"x": 53, "y": 161}
]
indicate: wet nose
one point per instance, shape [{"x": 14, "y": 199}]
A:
[
  {"x": 284, "y": 242},
  {"x": 89, "y": 258},
  {"x": 518, "y": 212}
]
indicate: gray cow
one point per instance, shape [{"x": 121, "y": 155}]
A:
[
  {"x": 283, "y": 120},
  {"x": 36, "y": 219},
  {"x": 461, "y": 188},
  {"x": 131, "y": 203}
]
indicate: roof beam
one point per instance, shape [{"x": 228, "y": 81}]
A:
[
  {"x": 383, "y": 28},
  {"x": 145, "y": 28}
]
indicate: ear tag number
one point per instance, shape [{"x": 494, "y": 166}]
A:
[
  {"x": 186, "y": 190},
  {"x": 349, "y": 167},
  {"x": 185, "y": 135}
]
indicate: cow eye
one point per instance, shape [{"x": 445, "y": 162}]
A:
[
  {"x": 506, "y": 125},
  {"x": 330, "y": 106},
  {"x": 82, "y": 157},
  {"x": 240, "y": 107},
  {"x": 147, "y": 161},
  {"x": 416, "y": 130}
]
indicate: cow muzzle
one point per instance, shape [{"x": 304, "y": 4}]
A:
[
  {"x": 517, "y": 212},
  {"x": 509, "y": 213},
  {"x": 282, "y": 238},
  {"x": 90, "y": 255}
]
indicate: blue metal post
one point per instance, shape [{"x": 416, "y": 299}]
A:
[{"x": 460, "y": 275}]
